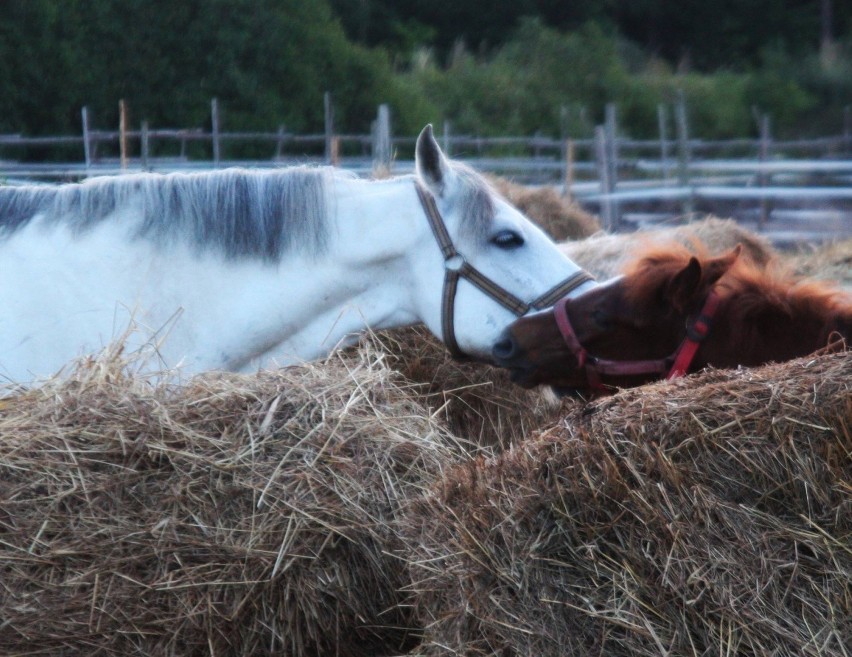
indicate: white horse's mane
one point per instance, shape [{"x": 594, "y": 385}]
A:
[
  {"x": 477, "y": 201},
  {"x": 240, "y": 213}
]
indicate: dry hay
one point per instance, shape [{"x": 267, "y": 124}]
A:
[
  {"x": 476, "y": 402},
  {"x": 708, "y": 516},
  {"x": 604, "y": 255},
  {"x": 237, "y": 515},
  {"x": 832, "y": 261},
  {"x": 558, "y": 216}
]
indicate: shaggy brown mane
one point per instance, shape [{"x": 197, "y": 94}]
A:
[
  {"x": 775, "y": 288},
  {"x": 748, "y": 290}
]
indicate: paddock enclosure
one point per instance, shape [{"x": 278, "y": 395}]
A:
[{"x": 389, "y": 500}]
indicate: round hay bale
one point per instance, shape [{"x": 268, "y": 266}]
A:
[
  {"x": 237, "y": 515},
  {"x": 708, "y": 516},
  {"x": 476, "y": 402},
  {"x": 604, "y": 255},
  {"x": 558, "y": 216}
]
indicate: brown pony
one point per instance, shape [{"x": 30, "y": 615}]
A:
[{"x": 673, "y": 313}]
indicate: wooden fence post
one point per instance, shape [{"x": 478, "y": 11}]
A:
[
  {"x": 87, "y": 149},
  {"x": 122, "y": 133},
  {"x": 335, "y": 151},
  {"x": 683, "y": 153},
  {"x": 328, "y": 113},
  {"x": 601, "y": 156},
  {"x": 568, "y": 180},
  {"x": 382, "y": 141},
  {"x": 763, "y": 177},
  {"x": 447, "y": 140},
  {"x": 611, "y": 142},
  {"x": 214, "y": 117},
  {"x": 145, "y": 145},
  {"x": 662, "y": 120}
]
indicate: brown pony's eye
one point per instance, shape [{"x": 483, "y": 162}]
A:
[{"x": 601, "y": 319}]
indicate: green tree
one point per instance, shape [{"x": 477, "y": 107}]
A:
[{"x": 268, "y": 61}]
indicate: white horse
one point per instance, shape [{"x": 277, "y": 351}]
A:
[{"x": 241, "y": 269}]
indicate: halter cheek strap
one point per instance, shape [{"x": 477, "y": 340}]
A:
[
  {"x": 674, "y": 366},
  {"x": 695, "y": 334},
  {"x": 456, "y": 267}
]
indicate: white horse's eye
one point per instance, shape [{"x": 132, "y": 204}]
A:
[{"x": 507, "y": 239}]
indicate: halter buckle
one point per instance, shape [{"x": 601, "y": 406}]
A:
[{"x": 698, "y": 330}]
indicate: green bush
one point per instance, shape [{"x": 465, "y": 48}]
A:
[
  {"x": 270, "y": 61},
  {"x": 538, "y": 79}
]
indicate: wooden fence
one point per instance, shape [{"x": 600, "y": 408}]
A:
[{"x": 627, "y": 181}]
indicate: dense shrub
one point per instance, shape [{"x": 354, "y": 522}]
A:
[{"x": 270, "y": 61}]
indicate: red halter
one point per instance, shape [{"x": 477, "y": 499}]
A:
[{"x": 673, "y": 366}]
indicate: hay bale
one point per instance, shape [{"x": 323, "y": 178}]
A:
[
  {"x": 476, "y": 402},
  {"x": 558, "y": 216},
  {"x": 604, "y": 255},
  {"x": 237, "y": 515},
  {"x": 831, "y": 261},
  {"x": 708, "y": 516}
]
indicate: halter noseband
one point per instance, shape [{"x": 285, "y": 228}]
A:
[
  {"x": 673, "y": 366},
  {"x": 455, "y": 267}
]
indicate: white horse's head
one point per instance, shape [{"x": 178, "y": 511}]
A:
[{"x": 491, "y": 238}]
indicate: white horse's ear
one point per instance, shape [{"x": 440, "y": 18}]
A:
[{"x": 432, "y": 167}]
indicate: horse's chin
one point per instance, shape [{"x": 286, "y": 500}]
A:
[{"x": 521, "y": 376}]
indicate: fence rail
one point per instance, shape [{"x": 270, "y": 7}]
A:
[{"x": 628, "y": 181}]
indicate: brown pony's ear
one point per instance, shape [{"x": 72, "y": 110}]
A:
[
  {"x": 692, "y": 283},
  {"x": 682, "y": 290},
  {"x": 715, "y": 268}
]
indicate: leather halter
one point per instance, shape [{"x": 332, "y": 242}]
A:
[
  {"x": 455, "y": 267},
  {"x": 673, "y": 366}
]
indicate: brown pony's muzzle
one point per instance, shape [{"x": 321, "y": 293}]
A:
[
  {"x": 508, "y": 353},
  {"x": 533, "y": 351}
]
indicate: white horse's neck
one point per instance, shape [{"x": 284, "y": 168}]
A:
[
  {"x": 365, "y": 280},
  {"x": 304, "y": 306}
]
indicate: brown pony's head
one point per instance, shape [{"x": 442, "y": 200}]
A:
[{"x": 635, "y": 328}]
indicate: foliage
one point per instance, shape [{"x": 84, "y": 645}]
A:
[
  {"x": 268, "y": 61},
  {"x": 521, "y": 67},
  {"x": 540, "y": 77},
  {"x": 728, "y": 34}
]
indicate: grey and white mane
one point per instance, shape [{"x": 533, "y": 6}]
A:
[{"x": 239, "y": 213}]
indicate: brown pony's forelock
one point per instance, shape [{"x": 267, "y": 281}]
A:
[{"x": 654, "y": 265}]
